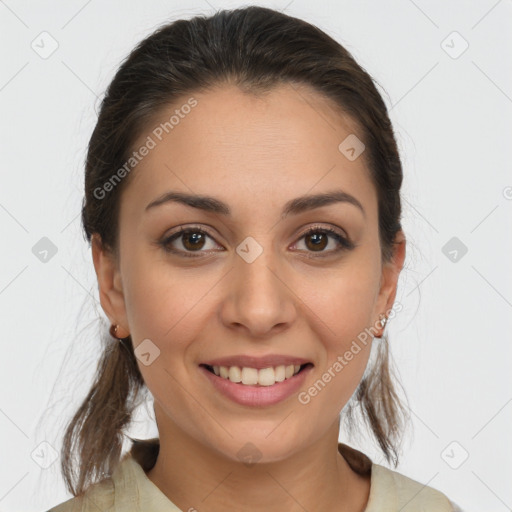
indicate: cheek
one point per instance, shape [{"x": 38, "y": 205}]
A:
[
  {"x": 166, "y": 308},
  {"x": 343, "y": 332},
  {"x": 343, "y": 307},
  {"x": 340, "y": 314},
  {"x": 163, "y": 303},
  {"x": 329, "y": 393}
]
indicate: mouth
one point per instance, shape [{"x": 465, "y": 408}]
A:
[
  {"x": 264, "y": 386},
  {"x": 257, "y": 377}
]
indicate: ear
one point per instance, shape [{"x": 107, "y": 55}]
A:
[
  {"x": 390, "y": 274},
  {"x": 109, "y": 285}
]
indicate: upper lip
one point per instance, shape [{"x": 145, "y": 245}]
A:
[{"x": 257, "y": 362}]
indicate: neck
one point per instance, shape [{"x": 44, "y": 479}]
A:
[{"x": 195, "y": 477}]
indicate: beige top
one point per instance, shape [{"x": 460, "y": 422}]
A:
[{"x": 129, "y": 488}]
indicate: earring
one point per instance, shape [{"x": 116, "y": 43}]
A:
[
  {"x": 383, "y": 320},
  {"x": 113, "y": 332}
]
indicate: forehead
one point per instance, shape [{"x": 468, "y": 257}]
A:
[{"x": 247, "y": 149}]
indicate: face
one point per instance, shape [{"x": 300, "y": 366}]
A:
[{"x": 244, "y": 280}]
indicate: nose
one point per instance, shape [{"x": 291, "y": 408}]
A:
[{"x": 258, "y": 302}]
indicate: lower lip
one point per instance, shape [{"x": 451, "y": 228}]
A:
[{"x": 255, "y": 396}]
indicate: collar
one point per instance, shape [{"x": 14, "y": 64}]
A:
[
  {"x": 135, "y": 490},
  {"x": 389, "y": 490},
  {"x": 145, "y": 452}
]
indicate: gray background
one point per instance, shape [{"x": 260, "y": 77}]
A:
[{"x": 451, "y": 109}]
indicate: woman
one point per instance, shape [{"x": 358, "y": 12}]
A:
[{"x": 242, "y": 200}]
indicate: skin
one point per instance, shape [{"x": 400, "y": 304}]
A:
[{"x": 255, "y": 154}]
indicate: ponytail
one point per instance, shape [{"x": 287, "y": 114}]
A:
[{"x": 95, "y": 433}]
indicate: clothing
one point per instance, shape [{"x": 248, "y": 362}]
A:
[{"x": 129, "y": 488}]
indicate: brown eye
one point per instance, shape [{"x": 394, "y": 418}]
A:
[
  {"x": 193, "y": 240},
  {"x": 316, "y": 241}
]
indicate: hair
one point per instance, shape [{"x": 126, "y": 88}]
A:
[{"x": 256, "y": 49}]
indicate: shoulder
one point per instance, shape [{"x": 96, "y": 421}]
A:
[
  {"x": 122, "y": 490},
  {"x": 100, "y": 496},
  {"x": 391, "y": 491},
  {"x": 400, "y": 492}
]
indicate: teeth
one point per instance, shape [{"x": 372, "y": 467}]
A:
[
  {"x": 234, "y": 374},
  {"x": 266, "y": 377},
  {"x": 253, "y": 376},
  {"x": 249, "y": 376},
  {"x": 280, "y": 373}
]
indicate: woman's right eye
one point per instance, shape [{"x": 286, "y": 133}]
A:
[{"x": 192, "y": 240}]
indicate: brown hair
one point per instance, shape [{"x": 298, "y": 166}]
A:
[{"x": 255, "y": 48}]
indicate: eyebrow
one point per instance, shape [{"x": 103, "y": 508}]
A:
[{"x": 292, "y": 207}]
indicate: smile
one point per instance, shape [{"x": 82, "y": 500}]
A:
[
  {"x": 254, "y": 377},
  {"x": 256, "y": 387}
]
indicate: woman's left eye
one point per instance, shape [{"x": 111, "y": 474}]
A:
[{"x": 316, "y": 240}]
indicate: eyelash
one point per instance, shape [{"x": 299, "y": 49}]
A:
[{"x": 344, "y": 243}]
